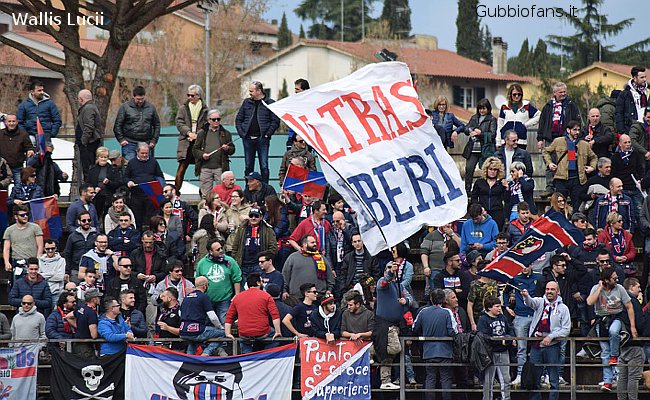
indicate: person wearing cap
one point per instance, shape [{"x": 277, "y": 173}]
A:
[
  {"x": 86, "y": 319},
  {"x": 326, "y": 323},
  {"x": 211, "y": 152},
  {"x": 257, "y": 190},
  {"x": 253, "y": 308},
  {"x": 255, "y": 125},
  {"x": 253, "y": 236}
]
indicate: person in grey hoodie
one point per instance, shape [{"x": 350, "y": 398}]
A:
[
  {"x": 52, "y": 269},
  {"x": 29, "y": 323},
  {"x": 551, "y": 321}
]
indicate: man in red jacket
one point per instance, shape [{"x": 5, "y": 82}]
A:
[{"x": 252, "y": 308}]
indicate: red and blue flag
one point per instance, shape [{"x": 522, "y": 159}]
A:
[
  {"x": 4, "y": 214},
  {"x": 45, "y": 213},
  {"x": 154, "y": 192},
  {"x": 302, "y": 180},
  {"x": 40, "y": 139},
  {"x": 548, "y": 233}
]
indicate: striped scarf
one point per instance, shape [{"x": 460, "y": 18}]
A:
[
  {"x": 321, "y": 270},
  {"x": 557, "y": 126},
  {"x": 572, "y": 152}
]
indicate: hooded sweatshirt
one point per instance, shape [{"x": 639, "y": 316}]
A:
[
  {"x": 53, "y": 270},
  {"x": 560, "y": 319},
  {"x": 322, "y": 323},
  {"x": 28, "y": 325},
  {"x": 483, "y": 233}
]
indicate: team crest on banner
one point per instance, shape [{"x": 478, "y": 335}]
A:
[
  {"x": 154, "y": 373},
  {"x": 380, "y": 151},
  {"x": 18, "y": 367},
  {"x": 334, "y": 371}
]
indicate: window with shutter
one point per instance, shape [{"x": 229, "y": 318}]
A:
[{"x": 456, "y": 95}]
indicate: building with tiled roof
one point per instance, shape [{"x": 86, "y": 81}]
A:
[
  {"x": 437, "y": 71},
  {"x": 611, "y": 76}
]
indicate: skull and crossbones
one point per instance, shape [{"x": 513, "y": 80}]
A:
[
  {"x": 92, "y": 375},
  {"x": 96, "y": 396}
]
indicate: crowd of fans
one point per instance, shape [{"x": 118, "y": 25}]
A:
[{"x": 262, "y": 265}]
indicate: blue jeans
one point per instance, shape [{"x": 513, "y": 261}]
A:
[
  {"x": 437, "y": 368},
  {"x": 583, "y": 315},
  {"x": 210, "y": 332},
  {"x": 15, "y": 172},
  {"x": 637, "y": 201},
  {"x": 221, "y": 308},
  {"x": 521, "y": 325},
  {"x": 129, "y": 151},
  {"x": 248, "y": 346},
  {"x": 261, "y": 147},
  {"x": 614, "y": 337},
  {"x": 247, "y": 270},
  {"x": 547, "y": 355}
]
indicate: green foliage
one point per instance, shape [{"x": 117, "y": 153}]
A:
[
  {"x": 535, "y": 61},
  {"x": 398, "y": 15},
  {"x": 302, "y": 32},
  {"x": 326, "y": 18},
  {"x": 486, "y": 51},
  {"x": 469, "y": 42},
  {"x": 173, "y": 108},
  {"x": 285, "y": 38},
  {"x": 284, "y": 92}
]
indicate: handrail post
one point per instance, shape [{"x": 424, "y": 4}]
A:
[
  {"x": 402, "y": 370},
  {"x": 572, "y": 358}
]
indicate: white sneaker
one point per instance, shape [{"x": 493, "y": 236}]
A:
[
  {"x": 389, "y": 386},
  {"x": 582, "y": 354},
  {"x": 545, "y": 383},
  {"x": 563, "y": 382},
  {"x": 516, "y": 381}
]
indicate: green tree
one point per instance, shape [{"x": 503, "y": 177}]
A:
[
  {"x": 540, "y": 61},
  {"x": 398, "y": 15},
  {"x": 284, "y": 92},
  {"x": 302, "y": 32},
  {"x": 592, "y": 29},
  {"x": 486, "y": 53},
  {"x": 521, "y": 64},
  {"x": 325, "y": 16},
  {"x": 469, "y": 42},
  {"x": 285, "y": 38}
]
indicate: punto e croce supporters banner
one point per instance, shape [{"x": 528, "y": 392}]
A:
[
  {"x": 154, "y": 373},
  {"x": 380, "y": 151},
  {"x": 18, "y": 367}
]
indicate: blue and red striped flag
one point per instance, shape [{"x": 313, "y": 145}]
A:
[
  {"x": 302, "y": 180},
  {"x": 45, "y": 213},
  {"x": 154, "y": 191},
  {"x": 549, "y": 232},
  {"x": 40, "y": 139},
  {"x": 4, "y": 214}
]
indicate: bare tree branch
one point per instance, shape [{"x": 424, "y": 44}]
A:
[{"x": 60, "y": 68}]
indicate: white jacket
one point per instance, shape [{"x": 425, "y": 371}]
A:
[
  {"x": 560, "y": 317},
  {"x": 527, "y": 116}
]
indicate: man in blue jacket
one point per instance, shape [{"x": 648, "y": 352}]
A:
[
  {"x": 57, "y": 325},
  {"x": 113, "y": 328},
  {"x": 435, "y": 321},
  {"x": 39, "y": 105},
  {"x": 255, "y": 125},
  {"x": 35, "y": 285}
]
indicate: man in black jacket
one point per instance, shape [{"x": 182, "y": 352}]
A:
[
  {"x": 142, "y": 169},
  {"x": 257, "y": 190},
  {"x": 552, "y": 124},
  {"x": 632, "y": 356},
  {"x": 79, "y": 242},
  {"x": 357, "y": 262},
  {"x": 126, "y": 281},
  {"x": 184, "y": 211},
  {"x": 149, "y": 273},
  {"x": 137, "y": 121},
  {"x": 631, "y": 102},
  {"x": 255, "y": 125},
  {"x": 518, "y": 154},
  {"x": 88, "y": 131}
]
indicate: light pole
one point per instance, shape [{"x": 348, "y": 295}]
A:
[{"x": 206, "y": 6}]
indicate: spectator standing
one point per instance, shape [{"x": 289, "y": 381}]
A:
[
  {"x": 252, "y": 237},
  {"x": 298, "y": 149},
  {"x": 307, "y": 265},
  {"x": 223, "y": 275},
  {"x": 358, "y": 262},
  {"x": 553, "y": 123},
  {"x": 34, "y": 285},
  {"x": 57, "y": 326},
  {"x": 516, "y": 115},
  {"x": 596, "y": 186},
  {"x": 315, "y": 225},
  {"x": 196, "y": 310},
  {"x": 234, "y": 215},
  {"x": 435, "y": 321},
  {"x": 149, "y": 262},
  {"x": 175, "y": 280},
  {"x": 48, "y": 173},
  {"x": 482, "y": 130},
  {"x": 87, "y": 318},
  {"x": 112, "y": 218},
  {"x": 628, "y": 165},
  {"x": 126, "y": 281},
  {"x": 26, "y": 189},
  {"x": 326, "y": 323},
  {"x": 79, "y": 242},
  {"x": 124, "y": 238},
  {"x": 614, "y": 201},
  {"x": 39, "y": 105},
  {"x": 632, "y": 354},
  {"x": 599, "y": 136},
  {"x": 357, "y": 322},
  {"x": 142, "y": 168},
  {"x": 190, "y": 117},
  {"x": 29, "y": 324},
  {"x": 607, "y": 107},
  {"x": 52, "y": 269},
  {"x": 22, "y": 240},
  {"x": 494, "y": 324},
  {"x": 169, "y": 318},
  {"x": 99, "y": 259},
  {"x": 452, "y": 278},
  {"x": 253, "y": 308},
  {"x": 446, "y": 123},
  {"x": 619, "y": 243},
  {"x": 511, "y": 152},
  {"x": 133, "y": 318},
  {"x": 255, "y": 125},
  {"x": 104, "y": 178},
  {"x": 88, "y": 131},
  {"x": 551, "y": 320},
  {"x": 432, "y": 248},
  {"x": 226, "y": 187},
  {"x": 5, "y": 328},
  {"x": 113, "y": 328},
  {"x": 269, "y": 273},
  {"x": 480, "y": 232},
  {"x": 257, "y": 190},
  {"x": 570, "y": 159},
  {"x": 632, "y": 100},
  {"x": 297, "y": 320},
  {"x": 83, "y": 203},
  {"x": 137, "y": 121},
  {"x": 520, "y": 189},
  {"x": 213, "y": 147},
  {"x": 15, "y": 146},
  {"x": 640, "y": 135},
  {"x": 491, "y": 189},
  {"x": 479, "y": 290},
  {"x": 519, "y": 225},
  {"x": 584, "y": 262}
]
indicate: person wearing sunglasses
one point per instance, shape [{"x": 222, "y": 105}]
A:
[
  {"x": 255, "y": 125},
  {"x": 29, "y": 324},
  {"x": 25, "y": 190},
  {"x": 137, "y": 121},
  {"x": 79, "y": 242},
  {"x": 252, "y": 237},
  {"x": 52, "y": 268},
  {"x": 211, "y": 151},
  {"x": 22, "y": 240},
  {"x": 190, "y": 117},
  {"x": 517, "y": 115},
  {"x": 298, "y": 150},
  {"x": 83, "y": 203}
]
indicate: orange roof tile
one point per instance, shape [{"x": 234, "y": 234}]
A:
[{"x": 426, "y": 62}]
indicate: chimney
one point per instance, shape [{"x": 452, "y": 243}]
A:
[
  {"x": 499, "y": 56},
  {"x": 274, "y": 22}
]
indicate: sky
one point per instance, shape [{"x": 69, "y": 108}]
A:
[{"x": 438, "y": 18}]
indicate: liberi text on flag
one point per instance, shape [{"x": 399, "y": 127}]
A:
[{"x": 379, "y": 151}]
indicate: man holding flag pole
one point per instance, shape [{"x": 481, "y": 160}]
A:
[{"x": 144, "y": 175}]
